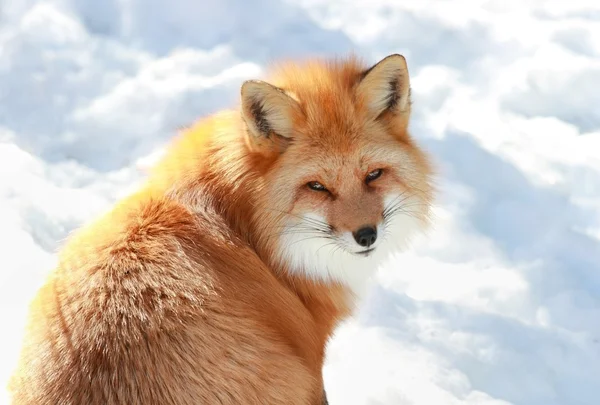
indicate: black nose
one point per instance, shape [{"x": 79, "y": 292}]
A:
[{"x": 366, "y": 236}]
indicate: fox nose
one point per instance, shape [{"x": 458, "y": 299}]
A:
[{"x": 365, "y": 236}]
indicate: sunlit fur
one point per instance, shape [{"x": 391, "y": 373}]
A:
[{"x": 222, "y": 278}]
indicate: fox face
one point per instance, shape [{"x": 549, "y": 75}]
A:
[{"x": 344, "y": 185}]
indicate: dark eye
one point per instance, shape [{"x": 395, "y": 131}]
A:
[
  {"x": 315, "y": 185},
  {"x": 374, "y": 175}
]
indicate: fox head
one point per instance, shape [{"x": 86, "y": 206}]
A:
[{"x": 344, "y": 184}]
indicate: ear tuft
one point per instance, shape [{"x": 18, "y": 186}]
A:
[
  {"x": 386, "y": 86},
  {"x": 267, "y": 110},
  {"x": 257, "y": 111}
]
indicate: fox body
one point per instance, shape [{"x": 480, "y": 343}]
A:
[{"x": 222, "y": 278}]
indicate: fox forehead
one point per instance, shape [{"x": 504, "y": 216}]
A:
[
  {"x": 322, "y": 82},
  {"x": 338, "y": 129},
  {"x": 325, "y": 90}
]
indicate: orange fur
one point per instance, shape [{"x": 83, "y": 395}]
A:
[{"x": 176, "y": 295}]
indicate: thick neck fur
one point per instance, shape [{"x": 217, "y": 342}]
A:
[{"x": 211, "y": 168}]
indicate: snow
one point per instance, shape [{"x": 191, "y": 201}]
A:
[{"x": 498, "y": 304}]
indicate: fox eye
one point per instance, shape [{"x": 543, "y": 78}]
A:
[
  {"x": 315, "y": 185},
  {"x": 374, "y": 175}
]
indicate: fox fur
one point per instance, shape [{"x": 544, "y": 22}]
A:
[{"x": 222, "y": 278}]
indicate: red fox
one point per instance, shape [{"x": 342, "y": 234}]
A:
[{"x": 222, "y": 278}]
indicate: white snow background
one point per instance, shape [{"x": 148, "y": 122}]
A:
[{"x": 499, "y": 304}]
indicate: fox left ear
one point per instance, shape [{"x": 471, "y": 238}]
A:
[{"x": 386, "y": 86}]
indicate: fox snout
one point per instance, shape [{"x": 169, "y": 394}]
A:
[{"x": 365, "y": 236}]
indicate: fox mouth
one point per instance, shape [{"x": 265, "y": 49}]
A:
[{"x": 365, "y": 252}]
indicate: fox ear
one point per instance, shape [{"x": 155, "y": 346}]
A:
[
  {"x": 386, "y": 86},
  {"x": 268, "y": 112}
]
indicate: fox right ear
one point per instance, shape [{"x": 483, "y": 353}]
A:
[{"x": 268, "y": 112}]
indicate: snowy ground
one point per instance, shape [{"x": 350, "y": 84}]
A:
[{"x": 499, "y": 304}]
